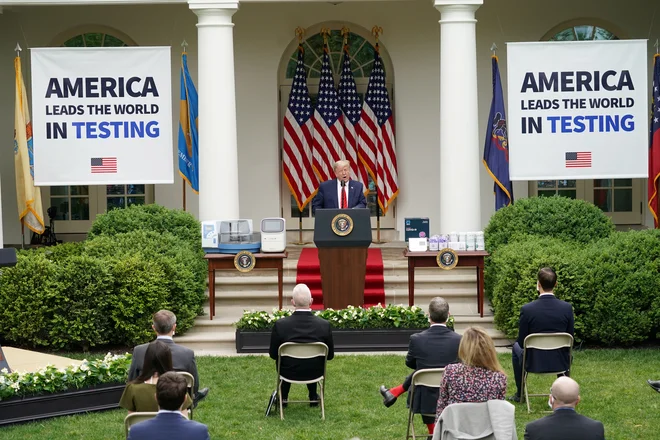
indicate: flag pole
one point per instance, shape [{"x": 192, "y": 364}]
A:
[
  {"x": 376, "y": 31},
  {"x": 18, "y": 50},
  {"x": 657, "y": 46}
]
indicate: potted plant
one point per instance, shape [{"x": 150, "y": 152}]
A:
[
  {"x": 375, "y": 328},
  {"x": 91, "y": 386}
]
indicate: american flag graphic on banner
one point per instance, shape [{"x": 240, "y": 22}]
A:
[
  {"x": 349, "y": 102},
  {"x": 297, "y": 139},
  {"x": 581, "y": 159},
  {"x": 376, "y": 134},
  {"x": 104, "y": 165},
  {"x": 328, "y": 146}
]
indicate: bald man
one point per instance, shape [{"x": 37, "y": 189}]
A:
[
  {"x": 564, "y": 423},
  {"x": 301, "y": 326}
]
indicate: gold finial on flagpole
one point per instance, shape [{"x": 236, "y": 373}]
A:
[
  {"x": 18, "y": 50},
  {"x": 325, "y": 32},
  {"x": 299, "y": 33},
  {"x": 344, "y": 33},
  {"x": 184, "y": 44},
  {"x": 376, "y": 31}
]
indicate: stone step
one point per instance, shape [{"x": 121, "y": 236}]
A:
[{"x": 209, "y": 342}]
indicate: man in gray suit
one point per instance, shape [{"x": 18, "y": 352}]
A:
[{"x": 183, "y": 359}]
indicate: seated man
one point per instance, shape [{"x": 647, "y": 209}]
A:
[
  {"x": 171, "y": 391},
  {"x": 564, "y": 423},
  {"x": 546, "y": 314},
  {"x": 435, "y": 347},
  {"x": 183, "y": 358},
  {"x": 340, "y": 193},
  {"x": 301, "y": 326}
]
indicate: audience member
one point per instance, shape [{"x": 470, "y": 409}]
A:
[
  {"x": 478, "y": 378},
  {"x": 435, "y": 347},
  {"x": 171, "y": 391},
  {"x": 546, "y": 314},
  {"x": 183, "y": 358},
  {"x": 301, "y": 326},
  {"x": 140, "y": 393},
  {"x": 564, "y": 423}
]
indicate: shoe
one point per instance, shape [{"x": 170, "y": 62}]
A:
[
  {"x": 655, "y": 384},
  {"x": 513, "y": 398},
  {"x": 388, "y": 397},
  {"x": 314, "y": 404},
  {"x": 199, "y": 396}
]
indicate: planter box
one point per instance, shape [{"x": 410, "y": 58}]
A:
[
  {"x": 345, "y": 340},
  {"x": 26, "y": 409}
]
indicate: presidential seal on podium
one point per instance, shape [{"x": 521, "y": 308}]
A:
[
  {"x": 244, "y": 261},
  {"x": 447, "y": 258},
  {"x": 342, "y": 225}
]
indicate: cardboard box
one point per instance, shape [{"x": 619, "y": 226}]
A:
[{"x": 417, "y": 227}]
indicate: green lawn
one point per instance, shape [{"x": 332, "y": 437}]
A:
[{"x": 614, "y": 390}]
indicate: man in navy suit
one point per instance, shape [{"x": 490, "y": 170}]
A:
[
  {"x": 564, "y": 423},
  {"x": 170, "y": 423},
  {"x": 340, "y": 193},
  {"x": 546, "y": 314},
  {"x": 435, "y": 347}
]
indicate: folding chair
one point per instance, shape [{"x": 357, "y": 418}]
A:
[
  {"x": 137, "y": 417},
  {"x": 191, "y": 386},
  {"x": 298, "y": 350},
  {"x": 546, "y": 342},
  {"x": 428, "y": 377}
]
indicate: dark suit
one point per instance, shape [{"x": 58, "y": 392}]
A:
[
  {"x": 169, "y": 426},
  {"x": 565, "y": 424},
  {"x": 183, "y": 359},
  {"x": 301, "y": 327},
  {"x": 326, "y": 196},
  {"x": 435, "y": 347},
  {"x": 546, "y": 314}
]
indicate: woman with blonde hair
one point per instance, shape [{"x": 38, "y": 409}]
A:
[{"x": 478, "y": 378}]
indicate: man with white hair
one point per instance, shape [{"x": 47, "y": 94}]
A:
[
  {"x": 340, "y": 193},
  {"x": 301, "y": 326},
  {"x": 564, "y": 423}
]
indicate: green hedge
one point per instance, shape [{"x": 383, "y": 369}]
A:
[
  {"x": 613, "y": 284},
  {"x": 105, "y": 290}
]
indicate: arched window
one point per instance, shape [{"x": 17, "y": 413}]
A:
[
  {"x": 78, "y": 205},
  {"x": 616, "y": 197}
]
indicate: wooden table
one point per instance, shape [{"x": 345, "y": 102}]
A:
[
  {"x": 226, "y": 262},
  {"x": 465, "y": 259}
]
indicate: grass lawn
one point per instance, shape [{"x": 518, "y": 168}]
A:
[{"x": 613, "y": 382}]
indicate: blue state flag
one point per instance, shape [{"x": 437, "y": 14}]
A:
[
  {"x": 496, "y": 150},
  {"x": 188, "y": 138}
]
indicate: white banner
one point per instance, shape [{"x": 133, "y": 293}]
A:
[
  {"x": 102, "y": 116},
  {"x": 578, "y": 110}
]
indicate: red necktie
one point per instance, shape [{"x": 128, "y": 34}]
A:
[{"x": 344, "y": 203}]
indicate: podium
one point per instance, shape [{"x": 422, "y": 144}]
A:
[{"x": 342, "y": 237}]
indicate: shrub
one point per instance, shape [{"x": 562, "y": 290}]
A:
[
  {"x": 623, "y": 288},
  {"x": 105, "y": 290},
  {"x": 517, "y": 268},
  {"x": 152, "y": 217}
]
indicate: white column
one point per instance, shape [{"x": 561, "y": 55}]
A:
[
  {"x": 218, "y": 151},
  {"x": 460, "y": 201},
  {"x": 1, "y": 236}
]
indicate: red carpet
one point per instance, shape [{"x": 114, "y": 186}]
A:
[{"x": 309, "y": 272}]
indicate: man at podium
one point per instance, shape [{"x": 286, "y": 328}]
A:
[{"x": 340, "y": 193}]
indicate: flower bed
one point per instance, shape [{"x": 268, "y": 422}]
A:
[{"x": 373, "y": 329}]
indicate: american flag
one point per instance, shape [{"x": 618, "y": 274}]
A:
[
  {"x": 377, "y": 147},
  {"x": 298, "y": 128},
  {"x": 580, "y": 159},
  {"x": 349, "y": 102},
  {"x": 328, "y": 146},
  {"x": 104, "y": 165},
  {"x": 654, "y": 142}
]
